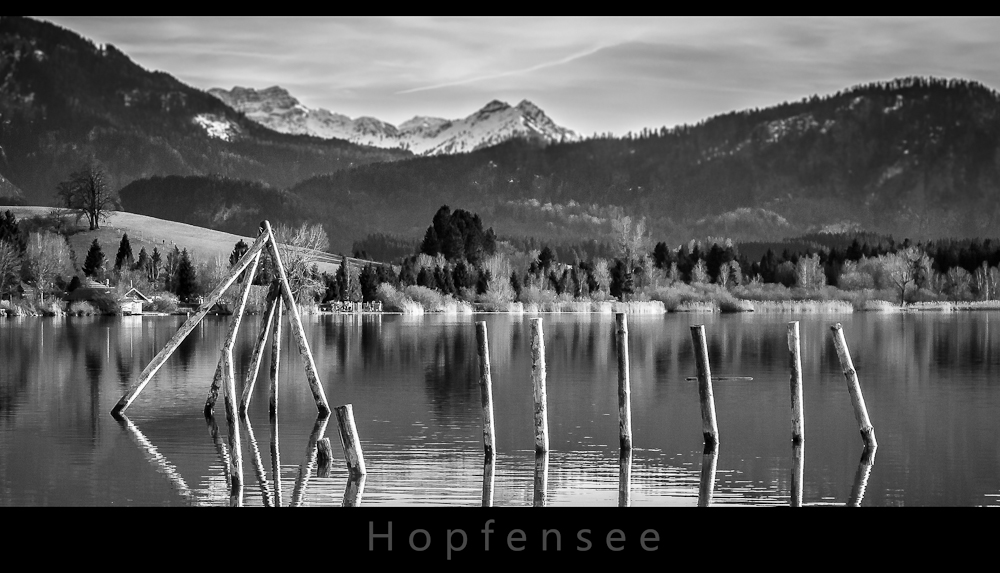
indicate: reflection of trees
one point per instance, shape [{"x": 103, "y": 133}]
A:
[{"x": 451, "y": 372}]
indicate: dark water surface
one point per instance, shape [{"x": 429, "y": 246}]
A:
[{"x": 930, "y": 381}]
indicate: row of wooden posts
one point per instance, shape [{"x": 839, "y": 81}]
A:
[
  {"x": 710, "y": 427},
  {"x": 225, "y": 373}
]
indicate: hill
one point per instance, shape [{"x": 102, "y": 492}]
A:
[{"x": 64, "y": 100}]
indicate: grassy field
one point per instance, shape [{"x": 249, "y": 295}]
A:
[{"x": 149, "y": 232}]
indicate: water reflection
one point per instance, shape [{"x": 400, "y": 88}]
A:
[
  {"x": 258, "y": 466},
  {"x": 354, "y": 490},
  {"x": 861, "y": 477},
  {"x": 157, "y": 460},
  {"x": 798, "y": 463},
  {"x": 625, "y": 479},
  {"x": 541, "y": 481},
  {"x": 706, "y": 485},
  {"x": 299, "y": 491},
  {"x": 489, "y": 462}
]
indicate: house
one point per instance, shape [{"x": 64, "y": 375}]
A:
[{"x": 133, "y": 300}]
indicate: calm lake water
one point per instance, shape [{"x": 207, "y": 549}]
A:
[{"x": 930, "y": 381}]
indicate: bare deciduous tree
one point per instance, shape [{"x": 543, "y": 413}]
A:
[
  {"x": 300, "y": 248},
  {"x": 10, "y": 262},
  {"x": 47, "y": 258},
  {"x": 87, "y": 193}
]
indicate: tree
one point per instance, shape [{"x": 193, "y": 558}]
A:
[
  {"x": 809, "y": 273},
  {"x": 153, "y": 270},
  {"x": 238, "y": 251},
  {"x": 904, "y": 268},
  {"x": 124, "y": 256},
  {"x": 47, "y": 259},
  {"x": 93, "y": 265},
  {"x": 369, "y": 283},
  {"x": 10, "y": 232},
  {"x": 186, "y": 283},
  {"x": 142, "y": 263},
  {"x": 299, "y": 248},
  {"x": 10, "y": 263},
  {"x": 87, "y": 193}
]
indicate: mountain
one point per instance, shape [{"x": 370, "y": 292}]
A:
[
  {"x": 64, "y": 100},
  {"x": 495, "y": 123}
]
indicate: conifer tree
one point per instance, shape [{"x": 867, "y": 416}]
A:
[
  {"x": 187, "y": 279},
  {"x": 143, "y": 261},
  {"x": 153, "y": 270},
  {"x": 124, "y": 256},
  {"x": 93, "y": 265}
]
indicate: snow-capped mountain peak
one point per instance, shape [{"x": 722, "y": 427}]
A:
[{"x": 494, "y": 123}]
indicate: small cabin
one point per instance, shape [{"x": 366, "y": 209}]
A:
[{"x": 133, "y": 301}]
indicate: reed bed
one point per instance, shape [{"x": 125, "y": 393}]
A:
[{"x": 804, "y": 306}]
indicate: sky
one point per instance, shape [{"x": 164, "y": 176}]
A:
[{"x": 593, "y": 75}]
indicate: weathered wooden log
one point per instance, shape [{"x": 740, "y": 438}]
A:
[
  {"x": 157, "y": 459},
  {"x": 709, "y": 426},
  {"x": 854, "y": 387},
  {"x": 625, "y": 478},
  {"x": 186, "y": 328},
  {"x": 299, "y": 491},
  {"x": 324, "y": 458},
  {"x": 541, "y": 485},
  {"x": 538, "y": 382},
  {"x": 275, "y": 460},
  {"x": 706, "y": 485},
  {"x": 723, "y": 378},
  {"x": 861, "y": 477},
  {"x": 624, "y": 385},
  {"x": 227, "y": 347},
  {"x": 235, "y": 446},
  {"x": 350, "y": 440},
  {"x": 258, "y": 465},
  {"x": 298, "y": 333},
  {"x": 798, "y": 463},
  {"x": 795, "y": 381},
  {"x": 489, "y": 462},
  {"x": 485, "y": 389},
  {"x": 275, "y": 356},
  {"x": 354, "y": 490},
  {"x": 236, "y": 496},
  {"x": 258, "y": 350}
]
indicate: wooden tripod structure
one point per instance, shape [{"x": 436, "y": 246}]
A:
[{"x": 225, "y": 373}]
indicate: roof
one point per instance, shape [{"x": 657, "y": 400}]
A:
[{"x": 134, "y": 293}]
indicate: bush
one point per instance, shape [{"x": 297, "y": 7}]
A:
[
  {"x": 82, "y": 308},
  {"x": 165, "y": 302}
]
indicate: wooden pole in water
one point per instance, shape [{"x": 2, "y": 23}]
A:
[
  {"x": 625, "y": 479},
  {"x": 354, "y": 490},
  {"x": 798, "y": 463},
  {"x": 624, "y": 385},
  {"x": 275, "y": 356},
  {"x": 706, "y": 485},
  {"x": 235, "y": 447},
  {"x": 854, "y": 387},
  {"x": 488, "y": 463},
  {"x": 324, "y": 457},
  {"x": 862, "y": 475},
  {"x": 349, "y": 438},
  {"x": 186, "y": 328},
  {"x": 541, "y": 479},
  {"x": 486, "y": 389},
  {"x": 298, "y": 333},
  {"x": 227, "y": 346},
  {"x": 258, "y": 350},
  {"x": 709, "y": 427},
  {"x": 795, "y": 382},
  {"x": 538, "y": 381}
]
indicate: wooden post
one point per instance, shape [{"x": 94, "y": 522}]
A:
[
  {"x": 349, "y": 438},
  {"x": 624, "y": 385},
  {"x": 235, "y": 446},
  {"x": 298, "y": 333},
  {"x": 324, "y": 457},
  {"x": 854, "y": 387},
  {"x": 798, "y": 462},
  {"x": 488, "y": 463},
  {"x": 258, "y": 349},
  {"x": 486, "y": 389},
  {"x": 275, "y": 461},
  {"x": 354, "y": 490},
  {"x": 861, "y": 477},
  {"x": 227, "y": 346},
  {"x": 709, "y": 427},
  {"x": 186, "y": 328},
  {"x": 299, "y": 491},
  {"x": 795, "y": 381},
  {"x": 625, "y": 479},
  {"x": 541, "y": 479},
  {"x": 275, "y": 356},
  {"x": 706, "y": 485},
  {"x": 538, "y": 381},
  {"x": 258, "y": 466}
]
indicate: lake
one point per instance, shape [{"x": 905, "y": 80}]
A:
[{"x": 930, "y": 381}]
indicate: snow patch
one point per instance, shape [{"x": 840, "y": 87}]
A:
[{"x": 217, "y": 126}]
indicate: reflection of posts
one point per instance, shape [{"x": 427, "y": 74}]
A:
[
  {"x": 795, "y": 381},
  {"x": 624, "y": 386},
  {"x": 625, "y": 479},
  {"x": 862, "y": 475},
  {"x": 798, "y": 463},
  {"x": 538, "y": 381},
  {"x": 706, "y": 485},
  {"x": 350, "y": 440},
  {"x": 488, "y": 463},
  {"x": 854, "y": 387},
  {"x": 486, "y": 389},
  {"x": 355, "y": 489},
  {"x": 299, "y": 491},
  {"x": 220, "y": 447},
  {"x": 709, "y": 426},
  {"x": 540, "y": 497},
  {"x": 158, "y": 460},
  {"x": 275, "y": 460},
  {"x": 324, "y": 458},
  {"x": 258, "y": 466}
]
